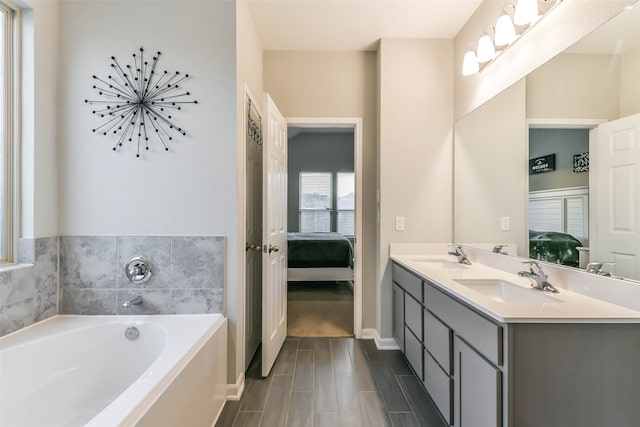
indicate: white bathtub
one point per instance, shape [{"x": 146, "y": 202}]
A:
[{"x": 82, "y": 370}]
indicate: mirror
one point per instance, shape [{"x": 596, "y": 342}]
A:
[{"x": 592, "y": 82}]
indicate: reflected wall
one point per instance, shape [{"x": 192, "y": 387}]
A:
[{"x": 490, "y": 163}]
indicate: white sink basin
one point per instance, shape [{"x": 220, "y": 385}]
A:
[
  {"x": 439, "y": 263},
  {"x": 503, "y": 291}
]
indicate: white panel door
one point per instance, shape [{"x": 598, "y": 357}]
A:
[
  {"x": 274, "y": 234},
  {"x": 618, "y": 208}
]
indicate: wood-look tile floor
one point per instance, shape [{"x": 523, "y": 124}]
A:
[{"x": 335, "y": 382}]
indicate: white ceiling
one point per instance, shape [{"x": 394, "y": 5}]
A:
[{"x": 355, "y": 24}]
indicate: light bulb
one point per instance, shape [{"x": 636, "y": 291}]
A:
[
  {"x": 505, "y": 31},
  {"x": 470, "y": 64},
  {"x": 486, "y": 50},
  {"x": 526, "y": 12}
]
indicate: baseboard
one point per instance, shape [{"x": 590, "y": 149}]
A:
[
  {"x": 381, "y": 343},
  {"x": 234, "y": 391}
]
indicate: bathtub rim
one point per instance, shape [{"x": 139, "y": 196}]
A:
[{"x": 123, "y": 410}]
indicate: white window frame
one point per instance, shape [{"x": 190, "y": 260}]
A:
[
  {"x": 338, "y": 210},
  {"x": 12, "y": 125},
  {"x": 333, "y": 208}
]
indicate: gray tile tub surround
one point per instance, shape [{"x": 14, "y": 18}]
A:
[
  {"x": 88, "y": 275},
  {"x": 29, "y": 292},
  {"x": 188, "y": 274}
]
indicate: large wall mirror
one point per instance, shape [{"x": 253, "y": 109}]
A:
[{"x": 552, "y": 163}]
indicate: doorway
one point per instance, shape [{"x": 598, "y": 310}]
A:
[
  {"x": 346, "y": 185},
  {"x": 321, "y": 226},
  {"x": 252, "y": 290},
  {"x": 558, "y": 203}
]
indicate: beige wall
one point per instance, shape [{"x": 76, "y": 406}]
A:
[
  {"x": 569, "y": 22},
  {"x": 191, "y": 181},
  {"x": 629, "y": 84},
  {"x": 491, "y": 163},
  {"x": 416, "y": 143},
  {"x": 249, "y": 73},
  {"x": 39, "y": 155},
  {"x": 335, "y": 84},
  {"x": 585, "y": 86},
  {"x": 575, "y": 86}
]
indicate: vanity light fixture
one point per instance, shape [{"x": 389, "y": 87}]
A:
[
  {"x": 505, "y": 32},
  {"x": 526, "y": 14},
  {"x": 470, "y": 63},
  {"x": 486, "y": 50}
]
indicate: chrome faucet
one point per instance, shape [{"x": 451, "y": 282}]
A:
[
  {"x": 595, "y": 267},
  {"x": 137, "y": 300},
  {"x": 538, "y": 277},
  {"x": 498, "y": 250},
  {"x": 462, "y": 256}
]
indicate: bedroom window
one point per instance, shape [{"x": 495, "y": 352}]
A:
[
  {"x": 8, "y": 124},
  {"x": 327, "y": 202},
  {"x": 346, "y": 203},
  {"x": 316, "y": 199}
]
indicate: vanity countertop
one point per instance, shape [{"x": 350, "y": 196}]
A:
[{"x": 512, "y": 299}]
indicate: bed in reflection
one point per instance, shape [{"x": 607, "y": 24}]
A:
[
  {"x": 319, "y": 257},
  {"x": 552, "y": 246}
]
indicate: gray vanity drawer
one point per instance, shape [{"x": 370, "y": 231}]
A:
[
  {"x": 413, "y": 352},
  {"x": 484, "y": 335},
  {"x": 439, "y": 386},
  {"x": 438, "y": 340},
  {"x": 413, "y": 315},
  {"x": 408, "y": 281}
]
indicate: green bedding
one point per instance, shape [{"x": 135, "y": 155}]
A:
[
  {"x": 554, "y": 247},
  {"x": 319, "y": 250}
]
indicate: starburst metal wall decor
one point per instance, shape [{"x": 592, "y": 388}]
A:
[{"x": 138, "y": 101}]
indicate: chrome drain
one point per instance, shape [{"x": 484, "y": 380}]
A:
[{"x": 131, "y": 333}]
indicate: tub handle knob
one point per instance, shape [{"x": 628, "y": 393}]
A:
[{"x": 139, "y": 270}]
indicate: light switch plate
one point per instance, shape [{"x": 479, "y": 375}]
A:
[
  {"x": 505, "y": 223},
  {"x": 399, "y": 223}
]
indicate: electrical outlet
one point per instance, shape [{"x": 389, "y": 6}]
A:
[
  {"x": 399, "y": 223},
  {"x": 505, "y": 223}
]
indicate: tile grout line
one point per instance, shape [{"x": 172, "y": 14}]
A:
[
  {"x": 266, "y": 399},
  {"x": 333, "y": 374},
  {"x": 404, "y": 393},
  {"x": 293, "y": 375},
  {"x": 313, "y": 387}
]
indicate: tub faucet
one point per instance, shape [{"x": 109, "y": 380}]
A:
[
  {"x": 462, "y": 256},
  {"x": 137, "y": 300},
  {"x": 498, "y": 249},
  {"x": 595, "y": 267},
  {"x": 538, "y": 277}
]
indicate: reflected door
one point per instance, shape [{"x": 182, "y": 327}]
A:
[{"x": 615, "y": 169}]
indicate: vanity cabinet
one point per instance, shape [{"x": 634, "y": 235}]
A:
[
  {"x": 523, "y": 373},
  {"x": 455, "y": 351}
]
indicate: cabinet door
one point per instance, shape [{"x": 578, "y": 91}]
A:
[
  {"x": 413, "y": 316},
  {"x": 398, "y": 316},
  {"x": 413, "y": 352},
  {"x": 478, "y": 389},
  {"x": 439, "y": 386}
]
